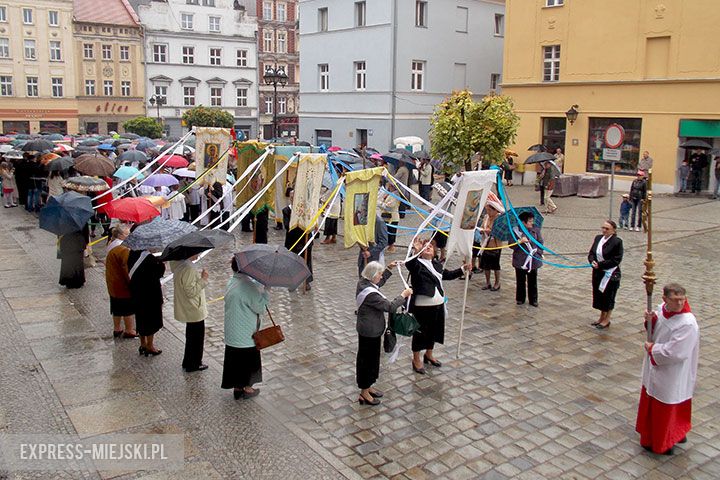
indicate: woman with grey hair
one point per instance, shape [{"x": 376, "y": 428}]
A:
[{"x": 371, "y": 308}]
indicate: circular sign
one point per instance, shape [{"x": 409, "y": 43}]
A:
[{"x": 614, "y": 135}]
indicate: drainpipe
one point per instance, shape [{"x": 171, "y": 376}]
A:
[{"x": 394, "y": 71}]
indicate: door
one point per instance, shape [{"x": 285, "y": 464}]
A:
[
  {"x": 362, "y": 136},
  {"x": 705, "y": 174},
  {"x": 323, "y": 137}
]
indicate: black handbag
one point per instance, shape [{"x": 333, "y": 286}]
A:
[{"x": 389, "y": 341}]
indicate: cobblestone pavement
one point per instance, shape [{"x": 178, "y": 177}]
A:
[{"x": 535, "y": 393}]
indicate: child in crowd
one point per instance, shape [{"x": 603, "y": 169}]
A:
[
  {"x": 684, "y": 172},
  {"x": 9, "y": 188},
  {"x": 625, "y": 207}
]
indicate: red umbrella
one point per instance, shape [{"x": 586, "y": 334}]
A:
[
  {"x": 132, "y": 209},
  {"x": 173, "y": 161},
  {"x": 5, "y": 139}
]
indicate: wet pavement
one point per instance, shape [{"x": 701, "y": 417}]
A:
[{"x": 535, "y": 393}]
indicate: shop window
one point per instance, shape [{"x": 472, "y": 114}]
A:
[
  {"x": 112, "y": 127},
  {"x": 53, "y": 126},
  {"x": 553, "y": 135},
  {"x": 11, "y": 126},
  {"x": 599, "y": 153},
  {"x": 92, "y": 127}
]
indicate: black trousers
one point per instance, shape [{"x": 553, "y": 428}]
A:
[
  {"x": 696, "y": 180},
  {"x": 224, "y": 216},
  {"x": 401, "y": 209},
  {"x": 246, "y": 223},
  {"x": 542, "y": 195},
  {"x": 392, "y": 232},
  {"x": 193, "y": 211},
  {"x": 194, "y": 342},
  {"x": 368, "y": 361},
  {"x": 261, "y": 227},
  {"x": 523, "y": 278}
]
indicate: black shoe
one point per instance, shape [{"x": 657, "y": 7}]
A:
[
  {"x": 520, "y": 302},
  {"x": 365, "y": 401},
  {"x": 534, "y": 304},
  {"x": 254, "y": 393},
  {"x": 278, "y": 226},
  {"x": 237, "y": 394},
  {"x": 117, "y": 334},
  {"x": 152, "y": 352},
  {"x": 128, "y": 335},
  {"x": 487, "y": 287},
  {"x": 434, "y": 363},
  {"x": 600, "y": 326},
  {"x": 197, "y": 369},
  {"x": 377, "y": 394},
  {"x": 669, "y": 451},
  {"x": 684, "y": 440},
  {"x": 421, "y": 370},
  {"x": 495, "y": 289},
  {"x": 141, "y": 351}
]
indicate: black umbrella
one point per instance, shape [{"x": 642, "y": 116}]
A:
[
  {"x": 131, "y": 136},
  {"x": 39, "y": 145},
  {"x": 121, "y": 141},
  {"x": 90, "y": 142},
  {"x": 540, "y": 157},
  {"x": 60, "y": 164},
  {"x": 396, "y": 158},
  {"x": 303, "y": 144},
  {"x": 693, "y": 143},
  {"x": 66, "y": 213},
  {"x": 273, "y": 266},
  {"x": 133, "y": 156},
  {"x": 538, "y": 147},
  {"x": 421, "y": 155},
  {"x": 194, "y": 243}
]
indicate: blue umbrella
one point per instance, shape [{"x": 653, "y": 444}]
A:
[
  {"x": 105, "y": 146},
  {"x": 66, "y": 213},
  {"x": 157, "y": 234},
  {"x": 123, "y": 173},
  {"x": 145, "y": 145},
  {"x": 500, "y": 228}
]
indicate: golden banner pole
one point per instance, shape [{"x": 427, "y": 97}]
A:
[{"x": 649, "y": 275}]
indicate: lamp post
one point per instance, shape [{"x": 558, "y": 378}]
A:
[
  {"x": 275, "y": 76},
  {"x": 158, "y": 100}
]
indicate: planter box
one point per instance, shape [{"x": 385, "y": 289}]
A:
[
  {"x": 591, "y": 186},
  {"x": 566, "y": 185}
]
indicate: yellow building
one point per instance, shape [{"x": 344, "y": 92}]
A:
[
  {"x": 110, "y": 68},
  {"x": 37, "y": 70},
  {"x": 652, "y": 67}
]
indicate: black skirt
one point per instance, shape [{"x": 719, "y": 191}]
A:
[
  {"x": 490, "y": 260},
  {"x": 148, "y": 319},
  {"x": 432, "y": 327},
  {"x": 368, "y": 361},
  {"x": 331, "y": 225},
  {"x": 121, "y": 307},
  {"x": 603, "y": 301},
  {"x": 242, "y": 367}
]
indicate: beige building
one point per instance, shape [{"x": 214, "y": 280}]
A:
[
  {"x": 650, "y": 68},
  {"x": 110, "y": 79},
  {"x": 37, "y": 69}
]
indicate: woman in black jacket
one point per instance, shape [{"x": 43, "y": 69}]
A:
[
  {"x": 605, "y": 256},
  {"x": 372, "y": 306},
  {"x": 427, "y": 303}
]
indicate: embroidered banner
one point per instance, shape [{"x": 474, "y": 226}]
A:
[
  {"x": 308, "y": 183},
  {"x": 360, "y": 205},
  {"x": 212, "y": 144},
  {"x": 248, "y": 152},
  {"x": 283, "y": 154},
  {"x": 473, "y": 190}
]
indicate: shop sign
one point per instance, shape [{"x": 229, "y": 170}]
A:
[
  {"x": 114, "y": 108},
  {"x": 612, "y": 154}
]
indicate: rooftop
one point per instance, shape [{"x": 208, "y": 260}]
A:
[{"x": 113, "y": 12}]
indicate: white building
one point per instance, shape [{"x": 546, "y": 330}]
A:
[
  {"x": 201, "y": 52},
  {"x": 373, "y": 70}
]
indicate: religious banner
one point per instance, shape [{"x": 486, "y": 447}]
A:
[
  {"x": 212, "y": 144},
  {"x": 283, "y": 154},
  {"x": 247, "y": 153},
  {"x": 360, "y": 205},
  {"x": 473, "y": 190},
  {"x": 308, "y": 184}
]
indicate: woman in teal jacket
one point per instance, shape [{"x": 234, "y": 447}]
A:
[{"x": 245, "y": 301}]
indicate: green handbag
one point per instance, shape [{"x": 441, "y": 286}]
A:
[{"x": 403, "y": 323}]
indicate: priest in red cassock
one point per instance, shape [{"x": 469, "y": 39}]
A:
[{"x": 669, "y": 372}]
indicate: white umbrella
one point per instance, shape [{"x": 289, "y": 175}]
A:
[{"x": 184, "y": 172}]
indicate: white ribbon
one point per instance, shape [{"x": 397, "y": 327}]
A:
[{"x": 365, "y": 292}]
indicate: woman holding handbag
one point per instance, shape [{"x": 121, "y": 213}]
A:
[
  {"x": 371, "y": 308},
  {"x": 245, "y": 301}
]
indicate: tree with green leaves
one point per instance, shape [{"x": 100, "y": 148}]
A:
[
  {"x": 462, "y": 127},
  {"x": 202, "y": 116},
  {"x": 144, "y": 126}
]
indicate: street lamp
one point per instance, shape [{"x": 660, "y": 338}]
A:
[
  {"x": 572, "y": 114},
  {"x": 159, "y": 100},
  {"x": 275, "y": 76}
]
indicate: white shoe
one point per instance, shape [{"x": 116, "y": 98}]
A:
[{"x": 637, "y": 229}]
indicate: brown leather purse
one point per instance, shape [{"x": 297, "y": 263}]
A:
[{"x": 267, "y": 337}]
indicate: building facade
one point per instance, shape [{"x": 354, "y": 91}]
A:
[
  {"x": 646, "y": 66},
  {"x": 110, "y": 65},
  {"x": 278, "y": 47},
  {"x": 373, "y": 70},
  {"x": 201, "y": 52},
  {"x": 37, "y": 68}
]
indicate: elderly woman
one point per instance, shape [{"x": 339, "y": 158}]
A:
[
  {"x": 372, "y": 306},
  {"x": 190, "y": 308},
  {"x": 72, "y": 266},
  {"x": 245, "y": 301},
  {"x": 526, "y": 260},
  {"x": 118, "y": 282},
  {"x": 605, "y": 256},
  {"x": 145, "y": 274},
  {"x": 428, "y": 301}
]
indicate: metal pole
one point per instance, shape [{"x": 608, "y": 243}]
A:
[
  {"x": 275, "y": 127},
  {"x": 612, "y": 187},
  {"x": 649, "y": 275}
]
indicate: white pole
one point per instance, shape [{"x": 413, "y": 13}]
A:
[{"x": 462, "y": 314}]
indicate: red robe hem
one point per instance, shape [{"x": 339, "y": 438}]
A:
[{"x": 662, "y": 425}]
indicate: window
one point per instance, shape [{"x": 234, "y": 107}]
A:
[
  {"x": 27, "y": 16},
  {"x": 554, "y": 3},
  {"x": 629, "y": 150},
  {"x": 4, "y": 48},
  {"x": 161, "y": 92},
  {"x": 494, "y": 81},
  {"x": 124, "y": 53},
  {"x": 31, "y": 83},
  {"x": 551, "y": 63},
  {"x": 282, "y": 42},
  {"x": 188, "y": 55},
  {"x": 282, "y": 105},
  {"x": 193, "y": 2},
  {"x": 53, "y": 18},
  {"x": 125, "y": 88},
  {"x": 324, "y": 72},
  {"x": 461, "y": 19},
  {"x": 322, "y": 19},
  {"x": 267, "y": 11},
  {"x": 360, "y": 75},
  {"x": 359, "y": 14},
  {"x": 554, "y": 129},
  {"x": 30, "y": 51},
  {"x": 214, "y": 24},
  {"x": 499, "y": 25},
  {"x": 216, "y": 96},
  {"x": 108, "y": 88},
  {"x": 160, "y": 53},
  {"x": 281, "y": 12},
  {"x": 241, "y": 97},
  {"x": 268, "y": 105},
  {"x": 3, "y": 14},
  {"x": 267, "y": 41},
  {"x": 57, "y": 87},
  {"x": 90, "y": 87},
  {"x": 106, "y": 52},
  {"x": 416, "y": 78},
  {"x": 216, "y": 56},
  {"x": 88, "y": 51},
  {"x": 421, "y": 7},
  {"x": 55, "y": 51},
  {"x": 208, "y": 3},
  {"x": 189, "y": 96},
  {"x": 241, "y": 56},
  {"x": 186, "y": 21},
  {"x": 6, "y": 89}
]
